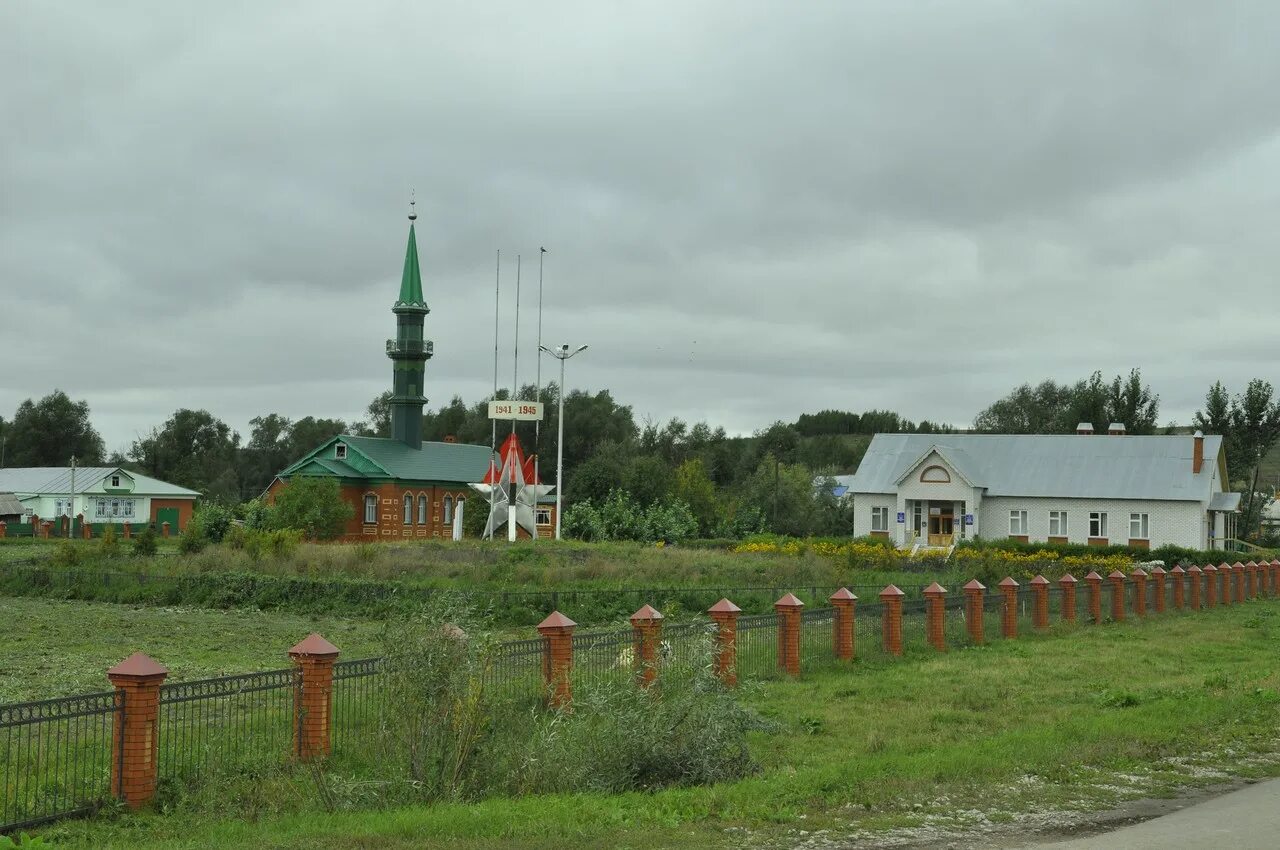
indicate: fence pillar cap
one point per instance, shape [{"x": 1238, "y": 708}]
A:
[
  {"x": 1039, "y": 580},
  {"x": 935, "y": 589},
  {"x": 556, "y": 620},
  {"x": 1116, "y": 574},
  {"x": 1138, "y": 573},
  {"x": 975, "y": 586},
  {"x": 1157, "y": 570},
  {"x": 1209, "y": 569},
  {"x": 1008, "y": 582},
  {"x": 1178, "y": 570},
  {"x": 313, "y": 646},
  {"x": 646, "y": 614},
  {"x": 788, "y": 601},
  {"x": 138, "y": 667},
  {"x": 724, "y": 606},
  {"x": 1226, "y": 566},
  {"x": 1067, "y": 578},
  {"x": 842, "y": 595},
  {"x": 1275, "y": 562},
  {"x": 1253, "y": 565},
  {"x": 891, "y": 592},
  {"x": 1093, "y": 576}
]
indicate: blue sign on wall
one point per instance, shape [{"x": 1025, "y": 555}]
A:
[
  {"x": 968, "y": 519},
  {"x": 902, "y": 517}
]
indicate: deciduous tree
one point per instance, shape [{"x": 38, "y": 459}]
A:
[{"x": 50, "y": 431}]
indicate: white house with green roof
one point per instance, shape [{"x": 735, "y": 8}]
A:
[{"x": 103, "y": 494}]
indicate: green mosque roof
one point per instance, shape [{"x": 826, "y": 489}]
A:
[{"x": 411, "y": 280}]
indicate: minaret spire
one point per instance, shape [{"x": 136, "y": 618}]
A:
[{"x": 409, "y": 352}]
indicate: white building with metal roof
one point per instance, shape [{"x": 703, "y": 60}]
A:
[
  {"x": 104, "y": 494},
  {"x": 937, "y": 489}
]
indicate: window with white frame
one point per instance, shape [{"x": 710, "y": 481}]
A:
[
  {"x": 340, "y": 451},
  {"x": 422, "y": 509},
  {"x": 370, "y": 508},
  {"x": 1098, "y": 524},
  {"x": 544, "y": 516},
  {"x": 1057, "y": 523},
  {"x": 408, "y": 509},
  {"x": 880, "y": 518},
  {"x": 448, "y": 510},
  {"x": 1017, "y": 523},
  {"x": 115, "y": 481},
  {"x": 1139, "y": 526}
]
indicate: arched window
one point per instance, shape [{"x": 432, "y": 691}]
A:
[
  {"x": 370, "y": 509},
  {"x": 448, "y": 510},
  {"x": 422, "y": 509},
  {"x": 408, "y": 509},
  {"x": 935, "y": 475}
]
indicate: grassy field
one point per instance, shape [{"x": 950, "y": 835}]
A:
[
  {"x": 1076, "y": 718},
  {"x": 54, "y": 648}
]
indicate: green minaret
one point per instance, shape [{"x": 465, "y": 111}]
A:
[{"x": 409, "y": 352}]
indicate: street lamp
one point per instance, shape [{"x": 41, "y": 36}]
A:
[{"x": 561, "y": 353}]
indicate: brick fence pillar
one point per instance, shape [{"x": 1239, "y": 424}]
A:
[
  {"x": 313, "y": 697},
  {"x": 1157, "y": 589},
  {"x": 45, "y": 526},
  {"x": 973, "y": 611},
  {"x": 1178, "y": 574},
  {"x": 1040, "y": 603},
  {"x": 788, "y": 609},
  {"x": 1224, "y": 575},
  {"x": 164, "y": 529},
  {"x": 725, "y": 614},
  {"x": 1275, "y": 576},
  {"x": 1237, "y": 583},
  {"x": 86, "y": 531},
  {"x": 1117, "y": 595},
  {"x": 843, "y": 631},
  {"x": 1210, "y": 586},
  {"x": 1095, "y": 596},
  {"x": 1068, "y": 585},
  {"x": 137, "y": 681},
  {"x": 128, "y": 530},
  {"x": 935, "y": 616},
  {"x": 1251, "y": 580},
  {"x": 1009, "y": 613},
  {"x": 557, "y": 658},
  {"x": 646, "y": 626},
  {"x": 3, "y": 527},
  {"x": 1140, "y": 592},
  {"x": 891, "y": 619}
]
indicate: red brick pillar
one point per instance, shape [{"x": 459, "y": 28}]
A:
[
  {"x": 935, "y": 616},
  {"x": 137, "y": 681},
  {"x": 1275, "y": 576},
  {"x": 1178, "y": 574},
  {"x": 1140, "y": 592},
  {"x": 1210, "y": 586},
  {"x": 1251, "y": 580},
  {"x": 1040, "y": 604},
  {"x": 891, "y": 619},
  {"x": 1224, "y": 575},
  {"x": 725, "y": 614},
  {"x": 646, "y": 625},
  {"x": 1194, "y": 576},
  {"x": 973, "y": 611},
  {"x": 1009, "y": 614},
  {"x": 85, "y": 531},
  {"x": 842, "y": 631},
  {"x": 313, "y": 697},
  {"x": 1068, "y": 585},
  {"x": 1237, "y": 582},
  {"x": 1095, "y": 595},
  {"x": 1157, "y": 590},
  {"x": 128, "y": 530},
  {"x": 164, "y": 529},
  {"x": 557, "y": 658},
  {"x": 3, "y": 527},
  {"x": 44, "y": 529},
  {"x": 1117, "y": 595},
  {"x": 788, "y": 609}
]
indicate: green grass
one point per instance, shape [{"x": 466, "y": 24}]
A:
[
  {"x": 52, "y": 648},
  {"x": 1078, "y": 717}
]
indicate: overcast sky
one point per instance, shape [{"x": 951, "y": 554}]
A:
[{"x": 752, "y": 210}]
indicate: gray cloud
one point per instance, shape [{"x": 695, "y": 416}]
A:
[{"x": 753, "y": 209}]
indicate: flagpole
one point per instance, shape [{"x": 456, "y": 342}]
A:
[
  {"x": 493, "y": 439},
  {"x": 537, "y": 424}
]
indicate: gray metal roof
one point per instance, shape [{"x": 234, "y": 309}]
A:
[
  {"x": 10, "y": 506},
  {"x": 1065, "y": 466},
  {"x": 38, "y": 480},
  {"x": 1225, "y": 502}
]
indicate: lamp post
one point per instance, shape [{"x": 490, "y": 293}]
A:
[{"x": 561, "y": 353}]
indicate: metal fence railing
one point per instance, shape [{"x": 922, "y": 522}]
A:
[{"x": 56, "y": 757}]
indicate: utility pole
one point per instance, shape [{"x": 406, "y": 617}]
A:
[
  {"x": 71, "y": 507},
  {"x": 562, "y": 354}
]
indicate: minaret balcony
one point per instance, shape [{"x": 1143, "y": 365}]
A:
[{"x": 409, "y": 348}]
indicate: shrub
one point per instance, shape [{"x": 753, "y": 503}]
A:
[
  {"x": 145, "y": 543},
  {"x": 313, "y": 506},
  {"x": 67, "y": 554},
  {"x": 109, "y": 544},
  {"x": 215, "y": 520}
]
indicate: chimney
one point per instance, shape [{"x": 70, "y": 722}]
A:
[
  {"x": 1116, "y": 429},
  {"x": 450, "y": 438},
  {"x": 1084, "y": 428},
  {"x": 1197, "y": 454}
]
